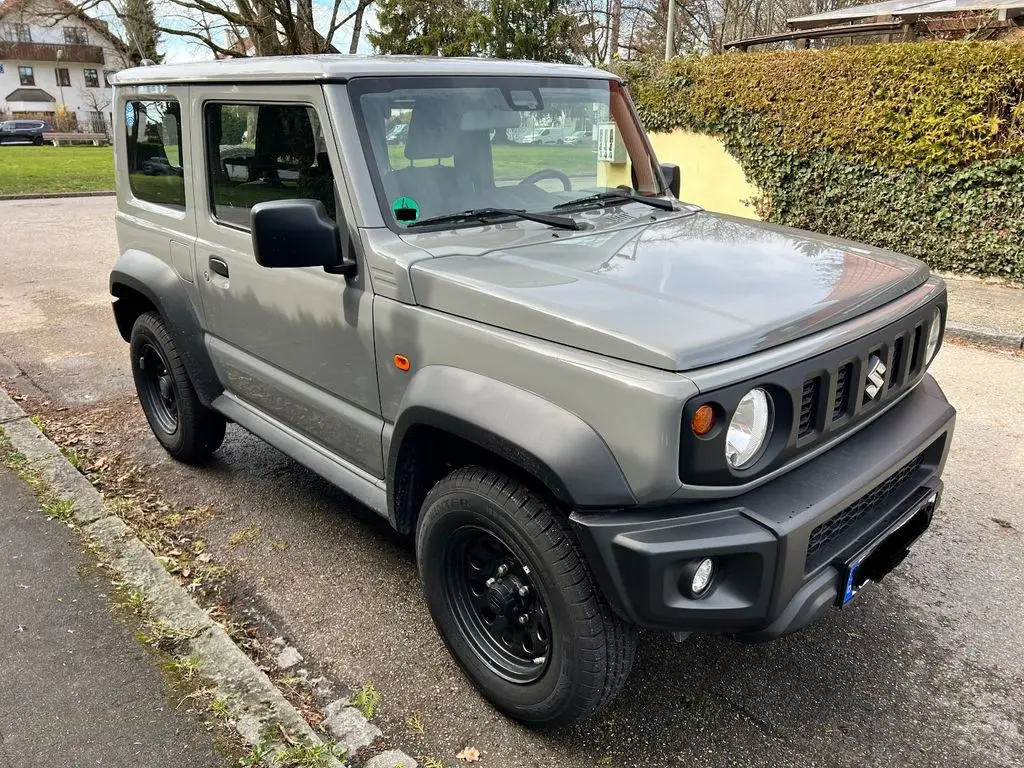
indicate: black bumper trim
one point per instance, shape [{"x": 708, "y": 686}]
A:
[{"x": 763, "y": 587}]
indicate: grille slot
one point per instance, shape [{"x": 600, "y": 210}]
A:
[
  {"x": 842, "y": 401},
  {"x": 897, "y": 360},
  {"x": 809, "y": 406},
  {"x": 828, "y": 538},
  {"x": 915, "y": 349}
]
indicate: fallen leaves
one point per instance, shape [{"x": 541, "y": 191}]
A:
[{"x": 469, "y": 755}]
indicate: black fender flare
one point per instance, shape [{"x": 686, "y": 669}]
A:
[
  {"x": 142, "y": 273},
  {"x": 543, "y": 439}
]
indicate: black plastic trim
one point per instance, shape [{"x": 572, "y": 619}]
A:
[
  {"x": 143, "y": 274},
  {"x": 551, "y": 444}
]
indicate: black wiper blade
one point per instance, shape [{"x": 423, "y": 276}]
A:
[
  {"x": 654, "y": 202},
  {"x": 483, "y": 214}
]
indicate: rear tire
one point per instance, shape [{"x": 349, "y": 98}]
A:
[
  {"x": 186, "y": 429},
  {"x": 37, "y": 141},
  {"x": 548, "y": 655}
]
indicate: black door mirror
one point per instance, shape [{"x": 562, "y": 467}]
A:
[
  {"x": 670, "y": 172},
  {"x": 298, "y": 233}
]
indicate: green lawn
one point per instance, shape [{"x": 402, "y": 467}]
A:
[
  {"x": 517, "y": 161},
  {"x": 27, "y": 170}
]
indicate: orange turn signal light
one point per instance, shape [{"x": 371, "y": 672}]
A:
[
  {"x": 703, "y": 420},
  {"x": 402, "y": 363}
]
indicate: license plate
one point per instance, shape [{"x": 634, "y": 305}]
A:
[{"x": 886, "y": 551}]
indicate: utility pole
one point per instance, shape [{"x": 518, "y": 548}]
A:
[{"x": 670, "y": 33}]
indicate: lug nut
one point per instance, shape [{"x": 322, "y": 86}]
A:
[
  {"x": 502, "y": 570},
  {"x": 524, "y": 591},
  {"x": 523, "y": 619}
]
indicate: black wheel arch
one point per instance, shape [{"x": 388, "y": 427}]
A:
[
  {"x": 141, "y": 282},
  {"x": 451, "y": 418}
]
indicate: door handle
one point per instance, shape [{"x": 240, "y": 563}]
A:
[{"x": 218, "y": 266}]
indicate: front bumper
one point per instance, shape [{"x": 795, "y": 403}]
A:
[{"x": 780, "y": 549}]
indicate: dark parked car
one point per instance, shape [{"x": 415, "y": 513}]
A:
[{"x": 23, "y": 131}]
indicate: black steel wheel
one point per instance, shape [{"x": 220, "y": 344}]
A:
[
  {"x": 513, "y": 599},
  {"x": 498, "y": 605},
  {"x": 156, "y": 388},
  {"x": 187, "y": 429}
]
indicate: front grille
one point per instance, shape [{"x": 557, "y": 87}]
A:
[
  {"x": 816, "y": 400},
  {"x": 828, "y": 538},
  {"x": 809, "y": 406}
]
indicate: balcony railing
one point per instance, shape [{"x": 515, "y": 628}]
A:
[{"x": 83, "y": 54}]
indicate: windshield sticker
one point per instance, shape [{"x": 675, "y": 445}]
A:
[
  {"x": 129, "y": 114},
  {"x": 406, "y": 210}
]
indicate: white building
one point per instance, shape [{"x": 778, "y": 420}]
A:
[{"x": 53, "y": 54}]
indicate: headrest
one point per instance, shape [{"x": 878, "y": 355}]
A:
[{"x": 433, "y": 130}]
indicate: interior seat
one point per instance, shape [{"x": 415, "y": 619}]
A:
[{"x": 433, "y": 135}]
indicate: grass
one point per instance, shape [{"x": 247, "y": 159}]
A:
[
  {"x": 366, "y": 700},
  {"x": 39, "y": 170},
  {"x": 517, "y": 161}
]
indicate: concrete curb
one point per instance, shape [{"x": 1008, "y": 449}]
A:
[
  {"x": 257, "y": 707},
  {"x": 49, "y": 195},
  {"x": 977, "y": 334}
]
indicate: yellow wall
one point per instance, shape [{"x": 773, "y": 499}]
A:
[{"x": 711, "y": 176}]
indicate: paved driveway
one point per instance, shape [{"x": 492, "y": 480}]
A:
[{"x": 926, "y": 669}]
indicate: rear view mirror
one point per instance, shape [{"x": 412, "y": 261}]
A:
[
  {"x": 298, "y": 233},
  {"x": 673, "y": 177}
]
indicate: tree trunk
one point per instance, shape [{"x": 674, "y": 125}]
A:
[
  {"x": 614, "y": 24},
  {"x": 357, "y": 27}
]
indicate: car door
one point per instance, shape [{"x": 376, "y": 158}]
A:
[{"x": 293, "y": 344}]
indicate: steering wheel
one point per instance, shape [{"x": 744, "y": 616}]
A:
[{"x": 548, "y": 173}]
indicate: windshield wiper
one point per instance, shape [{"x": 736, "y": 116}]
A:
[
  {"x": 619, "y": 194},
  {"x": 483, "y": 214}
]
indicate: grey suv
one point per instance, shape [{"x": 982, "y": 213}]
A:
[
  {"x": 597, "y": 408},
  {"x": 23, "y": 131}
]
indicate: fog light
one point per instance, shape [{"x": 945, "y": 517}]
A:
[{"x": 697, "y": 576}]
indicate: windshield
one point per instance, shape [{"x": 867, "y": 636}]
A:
[{"x": 438, "y": 146}]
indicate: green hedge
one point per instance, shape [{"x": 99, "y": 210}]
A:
[{"x": 916, "y": 147}]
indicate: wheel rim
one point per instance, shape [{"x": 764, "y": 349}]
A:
[
  {"x": 157, "y": 388},
  {"x": 497, "y": 605}
]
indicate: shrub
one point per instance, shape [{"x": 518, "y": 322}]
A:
[{"x": 918, "y": 147}]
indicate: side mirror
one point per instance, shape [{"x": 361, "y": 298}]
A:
[
  {"x": 670, "y": 172},
  {"x": 298, "y": 233}
]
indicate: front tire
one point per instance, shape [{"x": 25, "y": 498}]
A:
[
  {"x": 186, "y": 429},
  {"x": 514, "y": 600}
]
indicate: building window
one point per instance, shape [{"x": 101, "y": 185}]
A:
[
  {"x": 17, "y": 33},
  {"x": 155, "y": 155},
  {"x": 265, "y": 152},
  {"x": 63, "y": 78},
  {"x": 92, "y": 78},
  {"x": 76, "y": 36},
  {"x": 26, "y": 76}
]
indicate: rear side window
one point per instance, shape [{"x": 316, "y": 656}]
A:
[
  {"x": 259, "y": 152},
  {"x": 155, "y": 155}
]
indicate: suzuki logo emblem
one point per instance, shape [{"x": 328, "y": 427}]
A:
[{"x": 876, "y": 378}]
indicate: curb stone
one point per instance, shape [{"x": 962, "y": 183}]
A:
[
  {"x": 257, "y": 706},
  {"x": 978, "y": 334}
]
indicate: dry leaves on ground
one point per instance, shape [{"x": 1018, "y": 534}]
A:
[{"x": 469, "y": 754}]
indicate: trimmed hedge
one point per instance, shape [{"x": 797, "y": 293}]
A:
[{"x": 917, "y": 147}]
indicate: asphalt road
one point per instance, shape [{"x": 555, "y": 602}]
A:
[
  {"x": 926, "y": 669},
  {"x": 76, "y": 688}
]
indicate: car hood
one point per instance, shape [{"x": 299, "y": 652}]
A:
[{"x": 679, "y": 293}]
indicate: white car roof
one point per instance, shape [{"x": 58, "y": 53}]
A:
[{"x": 340, "y": 67}]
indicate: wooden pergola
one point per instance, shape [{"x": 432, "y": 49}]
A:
[{"x": 900, "y": 20}]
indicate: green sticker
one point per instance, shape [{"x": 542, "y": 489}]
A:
[{"x": 406, "y": 210}]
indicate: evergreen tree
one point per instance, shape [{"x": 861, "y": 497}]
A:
[
  {"x": 141, "y": 35},
  {"x": 540, "y": 30}
]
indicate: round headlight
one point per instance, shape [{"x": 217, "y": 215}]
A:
[
  {"x": 748, "y": 429},
  {"x": 933, "y": 337}
]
